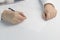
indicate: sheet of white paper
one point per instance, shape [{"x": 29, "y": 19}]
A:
[{"x": 34, "y": 27}]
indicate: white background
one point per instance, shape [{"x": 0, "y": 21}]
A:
[{"x": 34, "y": 27}]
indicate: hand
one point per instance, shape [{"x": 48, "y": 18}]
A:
[
  {"x": 13, "y": 17},
  {"x": 49, "y": 11}
]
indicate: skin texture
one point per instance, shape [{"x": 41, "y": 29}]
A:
[
  {"x": 13, "y": 17},
  {"x": 49, "y": 11}
]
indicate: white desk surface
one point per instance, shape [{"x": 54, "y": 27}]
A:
[{"x": 34, "y": 27}]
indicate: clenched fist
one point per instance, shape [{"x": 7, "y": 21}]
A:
[{"x": 49, "y": 11}]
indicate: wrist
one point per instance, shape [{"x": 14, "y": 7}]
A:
[{"x": 48, "y": 4}]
